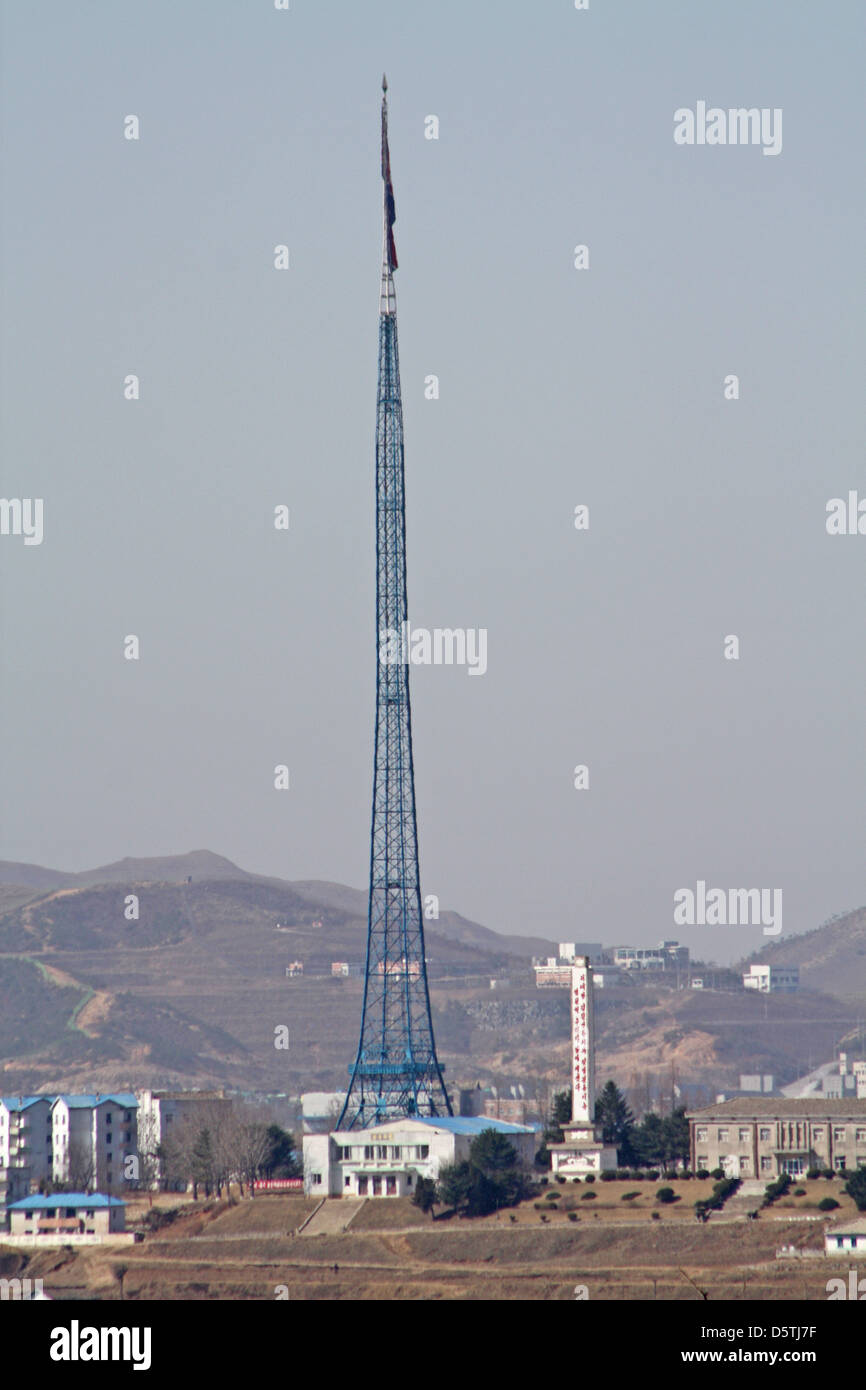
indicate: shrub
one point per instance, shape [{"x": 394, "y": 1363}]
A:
[
  {"x": 814, "y": 1173},
  {"x": 538, "y": 1206},
  {"x": 799, "y": 1191},
  {"x": 828, "y": 1173},
  {"x": 621, "y": 1174},
  {"x": 776, "y": 1189},
  {"x": 637, "y": 1175},
  {"x": 560, "y": 1178},
  {"x": 827, "y": 1204},
  {"x": 702, "y": 1173},
  {"x": 551, "y": 1196},
  {"x": 572, "y": 1215},
  {"x": 590, "y": 1177},
  {"x": 669, "y": 1174},
  {"x": 666, "y": 1195},
  {"x": 717, "y": 1173},
  {"x": 656, "y": 1215},
  {"x": 653, "y": 1175},
  {"x": 685, "y": 1174},
  {"x": 608, "y": 1177},
  {"x": 588, "y": 1196},
  {"x": 544, "y": 1217},
  {"x": 629, "y": 1196},
  {"x": 542, "y": 1182}
]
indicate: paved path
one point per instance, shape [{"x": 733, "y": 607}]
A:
[{"x": 333, "y": 1216}]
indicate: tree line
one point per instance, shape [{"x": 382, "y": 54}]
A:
[{"x": 658, "y": 1141}]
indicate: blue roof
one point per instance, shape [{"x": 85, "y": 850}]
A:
[
  {"x": 87, "y": 1102},
  {"x": 65, "y": 1199},
  {"x": 470, "y": 1124},
  {"x": 22, "y": 1102}
]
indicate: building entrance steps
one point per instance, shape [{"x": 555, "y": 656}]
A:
[{"x": 333, "y": 1216}]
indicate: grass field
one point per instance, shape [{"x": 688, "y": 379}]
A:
[{"x": 248, "y": 1251}]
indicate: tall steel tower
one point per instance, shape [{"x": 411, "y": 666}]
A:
[{"x": 396, "y": 1071}]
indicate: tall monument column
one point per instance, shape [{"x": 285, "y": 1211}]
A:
[
  {"x": 583, "y": 1150},
  {"x": 582, "y": 1043}
]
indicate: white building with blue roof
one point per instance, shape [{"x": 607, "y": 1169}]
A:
[
  {"x": 93, "y": 1136},
  {"x": 26, "y": 1138},
  {"x": 387, "y": 1159},
  {"x": 67, "y": 1218}
]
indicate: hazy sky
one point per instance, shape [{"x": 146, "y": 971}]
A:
[{"x": 557, "y": 387}]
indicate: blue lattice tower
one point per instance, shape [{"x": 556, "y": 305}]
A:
[{"x": 396, "y": 1071}]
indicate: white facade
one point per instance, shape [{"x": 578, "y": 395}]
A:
[
  {"x": 26, "y": 1136},
  {"x": 847, "y": 1239},
  {"x": 92, "y": 1137},
  {"x": 160, "y": 1113},
  {"x": 773, "y": 979},
  {"x": 583, "y": 1150},
  {"x": 386, "y": 1160}
]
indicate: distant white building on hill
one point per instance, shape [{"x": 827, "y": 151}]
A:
[{"x": 773, "y": 979}]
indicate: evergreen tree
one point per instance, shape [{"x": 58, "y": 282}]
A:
[
  {"x": 424, "y": 1195},
  {"x": 614, "y": 1116},
  {"x": 856, "y": 1188}
]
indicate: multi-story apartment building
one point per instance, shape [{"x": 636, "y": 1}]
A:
[
  {"x": 26, "y": 1135},
  {"x": 162, "y": 1113},
  {"x": 763, "y": 1137},
  {"x": 93, "y": 1136}
]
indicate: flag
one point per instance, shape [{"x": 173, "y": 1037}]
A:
[{"x": 390, "y": 213}]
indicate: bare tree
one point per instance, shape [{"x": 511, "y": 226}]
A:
[{"x": 80, "y": 1171}]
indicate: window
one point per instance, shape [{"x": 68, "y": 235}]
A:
[
  {"x": 702, "y": 1134},
  {"x": 838, "y": 1134},
  {"x": 723, "y": 1136},
  {"x": 377, "y": 1187},
  {"x": 108, "y": 1118},
  {"x": 396, "y": 1152},
  {"x": 745, "y": 1165},
  {"x": 860, "y": 1136},
  {"x": 381, "y": 1150},
  {"x": 409, "y": 1180},
  {"x": 127, "y": 1115},
  {"x": 840, "y": 1164},
  {"x": 423, "y": 1150},
  {"x": 818, "y": 1132},
  {"x": 765, "y": 1136},
  {"x": 362, "y": 1187},
  {"x": 316, "y": 1179},
  {"x": 391, "y": 1184},
  {"x": 766, "y": 1165},
  {"x": 702, "y": 1160},
  {"x": 368, "y": 1151},
  {"x": 744, "y": 1136},
  {"x": 347, "y": 1181},
  {"x": 88, "y": 1215}
]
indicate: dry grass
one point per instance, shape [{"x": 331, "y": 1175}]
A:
[{"x": 243, "y": 1252}]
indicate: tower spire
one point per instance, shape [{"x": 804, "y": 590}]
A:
[
  {"x": 396, "y": 1071},
  {"x": 387, "y": 298}
]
